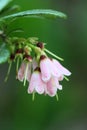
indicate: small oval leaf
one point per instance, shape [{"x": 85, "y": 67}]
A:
[
  {"x": 4, "y": 53},
  {"x": 39, "y": 13}
]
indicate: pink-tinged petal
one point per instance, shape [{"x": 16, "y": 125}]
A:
[
  {"x": 33, "y": 82},
  {"x": 54, "y": 71},
  {"x": 45, "y": 69},
  {"x": 45, "y": 89},
  {"x": 36, "y": 84},
  {"x": 52, "y": 86},
  {"x": 29, "y": 72},
  {"x": 40, "y": 85},
  {"x": 62, "y": 69},
  {"x": 21, "y": 72}
]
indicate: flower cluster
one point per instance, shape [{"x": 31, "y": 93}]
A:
[{"x": 42, "y": 73}]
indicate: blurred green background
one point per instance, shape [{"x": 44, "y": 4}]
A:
[{"x": 66, "y": 38}]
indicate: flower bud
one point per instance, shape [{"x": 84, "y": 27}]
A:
[
  {"x": 40, "y": 45},
  {"x": 42, "y": 57},
  {"x": 28, "y": 58},
  {"x": 19, "y": 51},
  {"x": 37, "y": 69}
]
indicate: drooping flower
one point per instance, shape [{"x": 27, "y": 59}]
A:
[
  {"x": 61, "y": 69},
  {"x": 51, "y": 67},
  {"x": 45, "y": 67},
  {"x": 24, "y": 70},
  {"x": 52, "y": 86},
  {"x": 36, "y": 84},
  {"x": 21, "y": 72}
]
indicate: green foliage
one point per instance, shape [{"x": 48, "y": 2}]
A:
[
  {"x": 4, "y": 53},
  {"x": 39, "y": 13},
  {"x": 4, "y": 3}
]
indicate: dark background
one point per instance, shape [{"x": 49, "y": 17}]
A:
[{"x": 66, "y": 38}]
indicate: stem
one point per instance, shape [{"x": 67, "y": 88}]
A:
[
  {"x": 32, "y": 46},
  {"x": 57, "y": 98},
  {"x": 17, "y": 66},
  {"x": 8, "y": 72},
  {"x": 36, "y": 49},
  {"x": 33, "y": 96},
  {"x": 66, "y": 78},
  {"x": 59, "y": 58}
]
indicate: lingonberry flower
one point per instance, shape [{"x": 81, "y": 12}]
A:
[
  {"x": 51, "y": 73},
  {"x": 62, "y": 70},
  {"x": 51, "y": 67},
  {"x": 52, "y": 86},
  {"x": 21, "y": 72},
  {"x": 36, "y": 84},
  {"x": 24, "y": 71},
  {"x": 45, "y": 67}
]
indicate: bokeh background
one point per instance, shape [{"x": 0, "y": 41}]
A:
[{"x": 66, "y": 38}]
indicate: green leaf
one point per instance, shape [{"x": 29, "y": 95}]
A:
[
  {"x": 39, "y": 13},
  {"x": 4, "y": 53},
  {"x": 3, "y": 3}
]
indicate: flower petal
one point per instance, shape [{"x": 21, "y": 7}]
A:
[
  {"x": 62, "y": 69},
  {"x": 21, "y": 72},
  {"x": 54, "y": 71},
  {"x": 29, "y": 72},
  {"x": 45, "y": 69},
  {"x": 52, "y": 86},
  {"x": 36, "y": 84}
]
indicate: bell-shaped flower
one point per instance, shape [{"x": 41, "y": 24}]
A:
[
  {"x": 21, "y": 71},
  {"x": 36, "y": 84},
  {"x": 45, "y": 67},
  {"x": 52, "y": 86},
  {"x": 24, "y": 70},
  {"x": 48, "y": 69},
  {"x": 62, "y": 70}
]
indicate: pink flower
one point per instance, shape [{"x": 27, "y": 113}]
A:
[
  {"x": 62, "y": 70},
  {"x": 24, "y": 70},
  {"x": 48, "y": 69},
  {"x": 52, "y": 68},
  {"x": 45, "y": 67},
  {"x": 44, "y": 79},
  {"x": 36, "y": 84},
  {"x": 52, "y": 86},
  {"x": 20, "y": 75}
]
